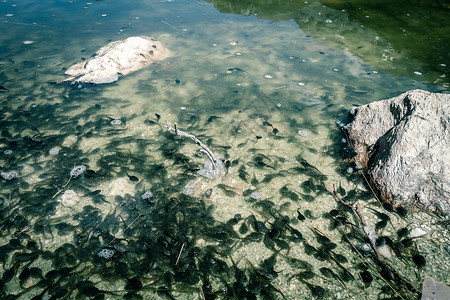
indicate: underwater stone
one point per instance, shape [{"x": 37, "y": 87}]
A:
[
  {"x": 106, "y": 253},
  {"x": 209, "y": 172},
  {"x": 9, "y": 175},
  {"x": 8, "y": 152},
  {"x": 117, "y": 58},
  {"x": 147, "y": 195},
  {"x": 208, "y": 192},
  {"x": 115, "y": 122},
  {"x": 69, "y": 198},
  {"x": 78, "y": 170},
  {"x": 302, "y": 132},
  {"x": 417, "y": 232},
  {"x": 54, "y": 151},
  {"x": 188, "y": 192},
  {"x": 365, "y": 247},
  {"x": 255, "y": 195}
]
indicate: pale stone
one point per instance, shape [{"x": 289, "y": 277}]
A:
[
  {"x": 404, "y": 142},
  {"x": 117, "y": 58},
  {"x": 69, "y": 198}
]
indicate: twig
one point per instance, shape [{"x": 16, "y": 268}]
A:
[
  {"x": 126, "y": 228},
  {"x": 205, "y": 149},
  {"x": 201, "y": 293},
  {"x": 371, "y": 235},
  {"x": 179, "y": 254}
]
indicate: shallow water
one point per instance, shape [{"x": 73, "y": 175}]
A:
[{"x": 262, "y": 91}]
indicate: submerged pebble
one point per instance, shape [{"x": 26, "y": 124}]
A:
[
  {"x": 106, "y": 253},
  {"x": 8, "y": 152},
  {"x": 365, "y": 247},
  {"x": 208, "y": 192},
  {"x": 302, "y": 132},
  {"x": 255, "y": 195},
  {"x": 78, "y": 170},
  {"x": 28, "y": 42},
  {"x": 54, "y": 151},
  {"x": 147, "y": 195},
  {"x": 9, "y": 175},
  {"x": 417, "y": 232},
  {"x": 116, "y": 122},
  {"x": 268, "y": 76},
  {"x": 188, "y": 192}
]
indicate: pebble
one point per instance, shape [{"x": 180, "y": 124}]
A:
[
  {"x": 365, "y": 247},
  {"x": 302, "y": 132},
  {"x": 8, "y": 152},
  {"x": 328, "y": 21},
  {"x": 28, "y": 42},
  {"x": 54, "y": 151},
  {"x": 300, "y": 83},
  {"x": 106, "y": 253},
  {"x": 268, "y": 76},
  {"x": 358, "y": 167},
  {"x": 417, "y": 232},
  {"x": 349, "y": 170},
  {"x": 233, "y": 43},
  {"x": 238, "y": 53},
  {"x": 343, "y": 140},
  {"x": 417, "y": 73},
  {"x": 278, "y": 105},
  {"x": 147, "y": 195},
  {"x": 104, "y": 15},
  {"x": 9, "y": 15},
  {"x": 78, "y": 170},
  {"x": 9, "y": 175},
  {"x": 208, "y": 192},
  {"x": 116, "y": 122},
  {"x": 188, "y": 192},
  {"x": 255, "y": 195}
]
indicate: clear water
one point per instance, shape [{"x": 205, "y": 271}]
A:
[{"x": 276, "y": 135}]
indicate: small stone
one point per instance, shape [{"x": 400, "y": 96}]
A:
[
  {"x": 69, "y": 198},
  {"x": 358, "y": 167},
  {"x": 343, "y": 140},
  {"x": 233, "y": 43},
  {"x": 278, "y": 105},
  {"x": 54, "y": 151},
  {"x": 238, "y": 53},
  {"x": 106, "y": 253},
  {"x": 104, "y": 15},
  {"x": 255, "y": 195},
  {"x": 96, "y": 233},
  {"x": 8, "y": 152},
  {"x": 9, "y": 15},
  {"x": 78, "y": 170},
  {"x": 336, "y": 69},
  {"x": 300, "y": 83},
  {"x": 208, "y": 192},
  {"x": 417, "y": 73},
  {"x": 365, "y": 247},
  {"x": 28, "y": 42},
  {"x": 147, "y": 195},
  {"x": 268, "y": 76},
  {"x": 237, "y": 217},
  {"x": 328, "y": 21},
  {"x": 116, "y": 122},
  {"x": 349, "y": 170},
  {"x": 183, "y": 108},
  {"x": 188, "y": 192},
  {"x": 302, "y": 132},
  {"x": 9, "y": 175},
  {"x": 417, "y": 232}
]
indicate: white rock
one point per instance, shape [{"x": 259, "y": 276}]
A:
[
  {"x": 117, "y": 58},
  {"x": 69, "y": 198},
  {"x": 417, "y": 232}
]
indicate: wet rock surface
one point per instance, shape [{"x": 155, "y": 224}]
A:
[
  {"x": 117, "y": 58},
  {"x": 404, "y": 142}
]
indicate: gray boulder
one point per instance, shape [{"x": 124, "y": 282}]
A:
[{"x": 404, "y": 143}]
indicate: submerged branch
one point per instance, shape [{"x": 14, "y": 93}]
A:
[{"x": 212, "y": 170}]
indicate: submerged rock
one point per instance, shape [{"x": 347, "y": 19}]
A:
[
  {"x": 117, "y": 58},
  {"x": 404, "y": 142},
  {"x": 433, "y": 289},
  {"x": 210, "y": 171}
]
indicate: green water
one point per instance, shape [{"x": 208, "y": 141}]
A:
[{"x": 262, "y": 84}]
